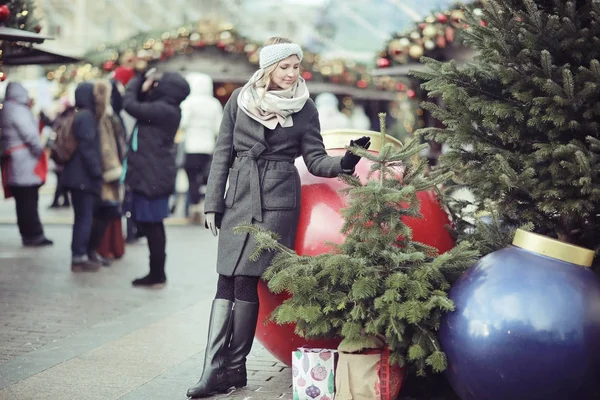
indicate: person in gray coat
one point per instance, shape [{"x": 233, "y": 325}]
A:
[
  {"x": 266, "y": 125},
  {"x": 22, "y": 150}
]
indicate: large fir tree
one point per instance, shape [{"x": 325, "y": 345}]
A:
[
  {"x": 522, "y": 120},
  {"x": 379, "y": 282}
]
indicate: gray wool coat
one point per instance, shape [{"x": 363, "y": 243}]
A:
[
  {"x": 20, "y": 137},
  {"x": 264, "y": 185}
]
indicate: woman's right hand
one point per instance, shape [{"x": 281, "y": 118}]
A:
[{"x": 213, "y": 222}]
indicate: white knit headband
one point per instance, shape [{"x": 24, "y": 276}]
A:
[{"x": 274, "y": 53}]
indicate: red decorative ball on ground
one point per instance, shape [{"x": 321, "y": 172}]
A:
[{"x": 321, "y": 222}]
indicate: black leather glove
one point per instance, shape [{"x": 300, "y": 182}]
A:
[
  {"x": 350, "y": 160},
  {"x": 212, "y": 221}
]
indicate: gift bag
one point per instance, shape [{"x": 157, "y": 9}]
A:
[
  {"x": 313, "y": 372},
  {"x": 365, "y": 376}
]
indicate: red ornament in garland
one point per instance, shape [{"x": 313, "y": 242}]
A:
[
  {"x": 37, "y": 29},
  {"x": 442, "y": 18},
  {"x": 108, "y": 65},
  {"x": 4, "y": 13},
  {"x": 383, "y": 62}
]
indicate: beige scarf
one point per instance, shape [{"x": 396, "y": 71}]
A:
[
  {"x": 272, "y": 107},
  {"x": 111, "y": 159}
]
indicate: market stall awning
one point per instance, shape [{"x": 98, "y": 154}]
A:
[
  {"x": 32, "y": 55},
  {"x": 19, "y": 35}
]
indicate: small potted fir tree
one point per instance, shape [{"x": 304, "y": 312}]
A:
[{"x": 378, "y": 283}]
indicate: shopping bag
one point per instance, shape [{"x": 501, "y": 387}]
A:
[
  {"x": 41, "y": 168},
  {"x": 364, "y": 376},
  {"x": 313, "y": 372},
  {"x": 112, "y": 245}
]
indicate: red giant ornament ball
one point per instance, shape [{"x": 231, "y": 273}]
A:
[{"x": 321, "y": 222}]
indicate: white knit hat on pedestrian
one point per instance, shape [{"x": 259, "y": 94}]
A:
[{"x": 273, "y": 53}]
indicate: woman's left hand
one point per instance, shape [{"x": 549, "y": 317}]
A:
[{"x": 350, "y": 159}]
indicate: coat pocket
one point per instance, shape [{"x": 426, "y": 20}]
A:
[
  {"x": 279, "y": 191},
  {"x": 232, "y": 187}
]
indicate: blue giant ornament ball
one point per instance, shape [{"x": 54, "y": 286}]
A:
[{"x": 526, "y": 327}]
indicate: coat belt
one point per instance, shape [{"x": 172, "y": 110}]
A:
[{"x": 254, "y": 154}]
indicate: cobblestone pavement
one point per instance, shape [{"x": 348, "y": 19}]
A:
[{"x": 79, "y": 336}]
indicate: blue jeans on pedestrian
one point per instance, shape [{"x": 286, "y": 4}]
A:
[{"x": 86, "y": 206}]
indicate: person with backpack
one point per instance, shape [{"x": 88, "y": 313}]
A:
[
  {"x": 24, "y": 163},
  {"x": 62, "y": 122},
  {"x": 82, "y": 176},
  {"x": 154, "y": 100}
]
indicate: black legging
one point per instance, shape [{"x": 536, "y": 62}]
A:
[
  {"x": 243, "y": 288},
  {"x": 197, "y": 167},
  {"x": 157, "y": 243},
  {"x": 28, "y": 220}
]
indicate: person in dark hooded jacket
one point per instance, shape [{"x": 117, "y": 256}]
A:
[
  {"x": 82, "y": 176},
  {"x": 154, "y": 100}
]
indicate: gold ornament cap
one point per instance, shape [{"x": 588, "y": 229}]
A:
[
  {"x": 553, "y": 248},
  {"x": 340, "y": 138}
]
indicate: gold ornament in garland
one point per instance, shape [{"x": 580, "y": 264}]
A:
[{"x": 437, "y": 31}]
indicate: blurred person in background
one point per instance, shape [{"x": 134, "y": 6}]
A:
[
  {"x": 82, "y": 176},
  {"x": 359, "y": 119},
  {"x": 201, "y": 115},
  {"x": 120, "y": 78},
  {"x": 65, "y": 112},
  {"x": 112, "y": 142},
  {"x": 330, "y": 117},
  {"x": 154, "y": 100},
  {"x": 23, "y": 161}
]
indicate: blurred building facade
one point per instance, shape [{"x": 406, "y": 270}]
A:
[{"x": 80, "y": 25}]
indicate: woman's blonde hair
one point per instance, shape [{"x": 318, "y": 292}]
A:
[{"x": 265, "y": 82}]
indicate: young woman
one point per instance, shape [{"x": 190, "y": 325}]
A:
[{"x": 266, "y": 125}]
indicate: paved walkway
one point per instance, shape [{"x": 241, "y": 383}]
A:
[{"x": 67, "y": 336}]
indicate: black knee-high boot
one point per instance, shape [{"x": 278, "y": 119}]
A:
[
  {"x": 214, "y": 376},
  {"x": 245, "y": 315}
]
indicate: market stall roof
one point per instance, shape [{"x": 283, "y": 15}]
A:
[
  {"x": 19, "y": 35},
  {"x": 33, "y": 55}
]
